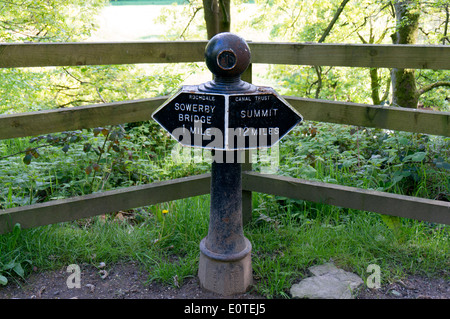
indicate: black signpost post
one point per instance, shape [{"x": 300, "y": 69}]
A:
[{"x": 226, "y": 115}]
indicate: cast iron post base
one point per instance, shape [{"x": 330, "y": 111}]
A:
[{"x": 226, "y": 277}]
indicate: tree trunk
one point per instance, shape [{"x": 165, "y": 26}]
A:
[
  {"x": 217, "y": 16},
  {"x": 447, "y": 19},
  {"x": 322, "y": 39},
  {"x": 404, "y": 90},
  {"x": 375, "y": 86}
]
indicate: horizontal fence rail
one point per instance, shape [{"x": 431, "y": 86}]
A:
[
  {"x": 137, "y": 196},
  {"x": 353, "y": 55},
  {"x": 376, "y": 116},
  {"x": 393, "y": 118},
  {"x": 349, "y": 197},
  {"x": 73, "y": 208},
  {"x": 348, "y": 55},
  {"x": 73, "y": 54},
  {"x": 75, "y": 118}
]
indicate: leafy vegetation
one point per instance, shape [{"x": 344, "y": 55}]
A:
[
  {"x": 304, "y": 22},
  {"x": 287, "y": 235}
]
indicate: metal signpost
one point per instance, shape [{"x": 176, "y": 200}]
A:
[{"x": 226, "y": 115}]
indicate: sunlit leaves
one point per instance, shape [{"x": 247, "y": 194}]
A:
[
  {"x": 49, "y": 21},
  {"x": 32, "y": 89},
  {"x": 366, "y": 21}
]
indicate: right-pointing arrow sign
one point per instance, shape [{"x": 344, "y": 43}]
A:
[{"x": 258, "y": 120}]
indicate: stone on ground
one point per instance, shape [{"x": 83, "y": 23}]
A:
[{"x": 327, "y": 282}]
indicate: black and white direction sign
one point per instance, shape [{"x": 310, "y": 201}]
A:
[
  {"x": 259, "y": 119},
  {"x": 227, "y": 121},
  {"x": 193, "y": 119}
]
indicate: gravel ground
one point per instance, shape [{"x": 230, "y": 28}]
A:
[{"x": 128, "y": 281}]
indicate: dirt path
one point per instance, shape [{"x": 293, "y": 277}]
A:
[
  {"x": 128, "y": 281},
  {"x": 122, "y": 281}
]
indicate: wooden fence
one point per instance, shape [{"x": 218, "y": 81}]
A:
[{"x": 347, "y": 55}]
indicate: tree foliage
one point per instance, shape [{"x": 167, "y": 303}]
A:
[
  {"x": 47, "y": 21},
  {"x": 32, "y": 89},
  {"x": 367, "y": 21}
]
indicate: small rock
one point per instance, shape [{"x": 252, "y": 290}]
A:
[
  {"x": 91, "y": 287},
  {"x": 39, "y": 293},
  {"x": 395, "y": 293},
  {"x": 327, "y": 282},
  {"x": 103, "y": 274},
  {"x": 327, "y": 268}
]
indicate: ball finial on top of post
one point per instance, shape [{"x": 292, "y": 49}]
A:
[{"x": 227, "y": 56}]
